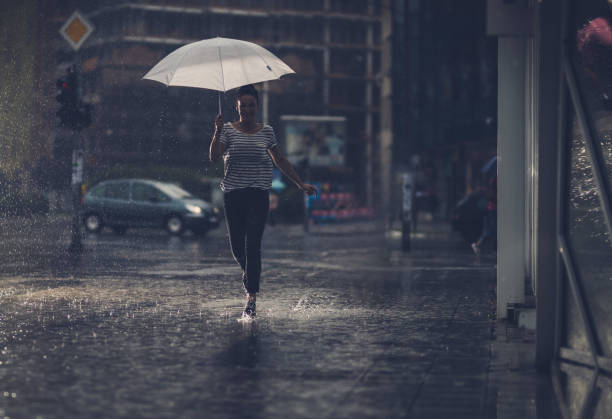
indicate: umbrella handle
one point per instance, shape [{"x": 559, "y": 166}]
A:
[{"x": 219, "y": 103}]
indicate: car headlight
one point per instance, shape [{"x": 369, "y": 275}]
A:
[{"x": 193, "y": 209}]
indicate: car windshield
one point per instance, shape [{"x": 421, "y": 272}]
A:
[{"x": 174, "y": 191}]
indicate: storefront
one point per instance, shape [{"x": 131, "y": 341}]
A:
[{"x": 555, "y": 130}]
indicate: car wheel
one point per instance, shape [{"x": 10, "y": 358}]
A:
[
  {"x": 120, "y": 230},
  {"x": 93, "y": 223},
  {"x": 174, "y": 225}
]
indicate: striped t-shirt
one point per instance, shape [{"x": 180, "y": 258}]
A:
[{"x": 246, "y": 161}]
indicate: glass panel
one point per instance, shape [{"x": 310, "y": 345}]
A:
[
  {"x": 592, "y": 59},
  {"x": 575, "y": 335},
  {"x": 174, "y": 191},
  {"x": 99, "y": 191},
  {"x": 349, "y": 62},
  {"x": 604, "y": 403},
  {"x": 575, "y": 391},
  {"x": 591, "y": 55},
  {"x": 143, "y": 192},
  {"x": 575, "y": 383},
  {"x": 589, "y": 241},
  {"x": 118, "y": 191}
]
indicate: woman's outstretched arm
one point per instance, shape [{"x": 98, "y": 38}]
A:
[
  {"x": 216, "y": 147},
  {"x": 287, "y": 168}
]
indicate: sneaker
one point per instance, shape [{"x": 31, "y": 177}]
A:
[
  {"x": 249, "y": 309},
  {"x": 476, "y": 249}
]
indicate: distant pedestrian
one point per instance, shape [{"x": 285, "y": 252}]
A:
[
  {"x": 489, "y": 230},
  {"x": 249, "y": 150}
]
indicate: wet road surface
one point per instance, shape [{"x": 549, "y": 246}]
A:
[{"x": 145, "y": 325}]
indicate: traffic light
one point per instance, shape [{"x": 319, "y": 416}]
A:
[
  {"x": 67, "y": 97},
  {"x": 72, "y": 113}
]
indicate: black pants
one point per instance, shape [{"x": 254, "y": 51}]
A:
[{"x": 246, "y": 211}]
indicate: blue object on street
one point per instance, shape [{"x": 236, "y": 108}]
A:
[{"x": 277, "y": 182}]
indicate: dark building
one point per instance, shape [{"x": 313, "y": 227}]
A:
[
  {"x": 446, "y": 67},
  {"x": 26, "y": 93},
  {"x": 333, "y": 45}
]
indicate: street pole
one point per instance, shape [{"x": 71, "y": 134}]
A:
[
  {"x": 76, "y": 244},
  {"x": 75, "y": 31},
  {"x": 264, "y": 103}
]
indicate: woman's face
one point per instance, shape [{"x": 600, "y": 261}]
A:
[{"x": 247, "y": 108}]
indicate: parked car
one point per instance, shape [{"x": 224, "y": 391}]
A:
[{"x": 124, "y": 203}]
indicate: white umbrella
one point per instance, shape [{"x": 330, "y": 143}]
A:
[{"x": 218, "y": 64}]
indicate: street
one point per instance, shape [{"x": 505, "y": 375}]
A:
[{"x": 348, "y": 326}]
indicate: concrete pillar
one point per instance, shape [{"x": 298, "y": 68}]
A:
[
  {"x": 386, "y": 112},
  {"x": 512, "y": 53},
  {"x": 549, "y": 43},
  {"x": 368, "y": 120},
  {"x": 531, "y": 160},
  {"x": 326, "y": 42}
]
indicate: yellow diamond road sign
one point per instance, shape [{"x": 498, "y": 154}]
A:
[{"x": 76, "y": 30}]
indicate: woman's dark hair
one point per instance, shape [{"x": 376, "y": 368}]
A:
[{"x": 249, "y": 89}]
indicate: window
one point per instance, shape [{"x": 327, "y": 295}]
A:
[
  {"x": 148, "y": 193},
  {"x": 375, "y": 62},
  {"x": 118, "y": 190},
  {"x": 175, "y": 191},
  {"x": 347, "y": 92},
  {"x": 99, "y": 191},
  {"x": 586, "y": 227},
  {"x": 347, "y": 32},
  {"x": 351, "y": 62},
  {"x": 307, "y": 31},
  {"x": 376, "y": 34}
]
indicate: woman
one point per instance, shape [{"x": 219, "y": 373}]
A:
[{"x": 248, "y": 149}]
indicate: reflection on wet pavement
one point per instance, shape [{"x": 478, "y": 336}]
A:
[{"x": 146, "y": 326}]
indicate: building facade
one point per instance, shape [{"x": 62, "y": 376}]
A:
[
  {"x": 554, "y": 187},
  {"x": 26, "y": 96},
  {"x": 335, "y": 47}
]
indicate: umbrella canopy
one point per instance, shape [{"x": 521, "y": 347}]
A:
[{"x": 218, "y": 64}]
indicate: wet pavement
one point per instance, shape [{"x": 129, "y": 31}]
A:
[{"x": 348, "y": 326}]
